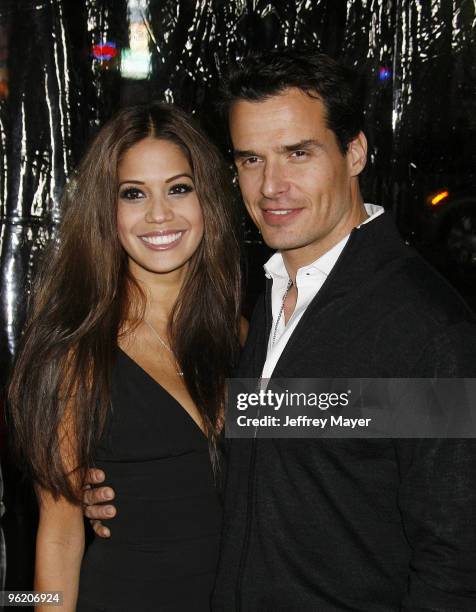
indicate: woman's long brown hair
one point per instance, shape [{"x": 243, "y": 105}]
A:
[{"x": 84, "y": 294}]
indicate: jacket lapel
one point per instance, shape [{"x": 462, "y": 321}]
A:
[{"x": 355, "y": 267}]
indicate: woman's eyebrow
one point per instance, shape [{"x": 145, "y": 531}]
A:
[
  {"x": 176, "y": 176},
  {"x": 132, "y": 182}
]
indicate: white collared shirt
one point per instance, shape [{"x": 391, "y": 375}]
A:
[{"x": 309, "y": 279}]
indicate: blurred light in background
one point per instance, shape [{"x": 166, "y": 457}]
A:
[
  {"x": 135, "y": 64},
  {"x": 139, "y": 37},
  {"x": 439, "y": 198},
  {"x": 136, "y": 60},
  {"x": 384, "y": 73},
  {"x": 3, "y": 63},
  {"x": 105, "y": 51}
]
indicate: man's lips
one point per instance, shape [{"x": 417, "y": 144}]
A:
[
  {"x": 280, "y": 216},
  {"x": 161, "y": 241}
]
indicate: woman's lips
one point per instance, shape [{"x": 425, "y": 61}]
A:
[{"x": 162, "y": 241}]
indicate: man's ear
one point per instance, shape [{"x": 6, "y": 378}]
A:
[{"x": 357, "y": 154}]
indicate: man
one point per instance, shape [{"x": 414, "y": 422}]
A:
[{"x": 338, "y": 524}]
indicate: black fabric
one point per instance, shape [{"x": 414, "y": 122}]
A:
[
  {"x": 374, "y": 525},
  {"x": 163, "y": 548}
]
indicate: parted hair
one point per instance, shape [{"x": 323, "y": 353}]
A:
[{"x": 84, "y": 294}]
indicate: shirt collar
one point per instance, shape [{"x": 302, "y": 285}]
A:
[{"x": 274, "y": 268}]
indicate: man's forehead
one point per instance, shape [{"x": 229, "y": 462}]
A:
[
  {"x": 284, "y": 119},
  {"x": 288, "y": 93}
]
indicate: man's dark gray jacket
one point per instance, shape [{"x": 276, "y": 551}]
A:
[{"x": 370, "y": 525}]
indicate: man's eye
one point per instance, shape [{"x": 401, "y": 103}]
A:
[
  {"x": 131, "y": 193},
  {"x": 299, "y": 154},
  {"x": 250, "y": 161},
  {"x": 180, "y": 189}
]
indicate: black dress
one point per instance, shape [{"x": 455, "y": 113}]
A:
[{"x": 163, "y": 549}]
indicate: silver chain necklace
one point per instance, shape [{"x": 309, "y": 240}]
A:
[
  {"x": 280, "y": 314},
  {"x": 162, "y": 342}
]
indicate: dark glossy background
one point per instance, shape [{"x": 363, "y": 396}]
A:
[{"x": 54, "y": 94}]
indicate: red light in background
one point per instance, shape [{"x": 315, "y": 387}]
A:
[{"x": 105, "y": 51}]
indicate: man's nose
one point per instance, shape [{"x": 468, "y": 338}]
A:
[
  {"x": 274, "y": 180},
  {"x": 159, "y": 210}
]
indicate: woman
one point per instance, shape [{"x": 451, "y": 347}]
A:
[{"x": 134, "y": 328}]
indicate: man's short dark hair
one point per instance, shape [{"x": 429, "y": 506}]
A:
[{"x": 260, "y": 75}]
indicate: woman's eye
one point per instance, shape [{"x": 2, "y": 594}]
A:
[
  {"x": 180, "y": 189},
  {"x": 131, "y": 193}
]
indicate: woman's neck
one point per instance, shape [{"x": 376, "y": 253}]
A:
[{"x": 161, "y": 293}]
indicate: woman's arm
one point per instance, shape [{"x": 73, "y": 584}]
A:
[
  {"x": 59, "y": 549},
  {"x": 60, "y": 538}
]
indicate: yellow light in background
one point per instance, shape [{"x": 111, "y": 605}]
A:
[
  {"x": 439, "y": 197},
  {"x": 138, "y": 38}
]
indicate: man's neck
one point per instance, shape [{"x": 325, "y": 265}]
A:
[{"x": 298, "y": 258}]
